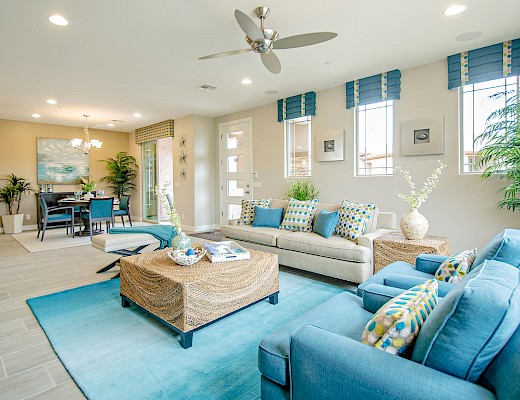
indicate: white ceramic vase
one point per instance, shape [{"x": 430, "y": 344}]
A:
[
  {"x": 87, "y": 196},
  {"x": 414, "y": 225}
]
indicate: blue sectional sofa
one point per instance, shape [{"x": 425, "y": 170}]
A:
[{"x": 467, "y": 348}]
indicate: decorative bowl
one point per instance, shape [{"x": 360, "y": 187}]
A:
[{"x": 180, "y": 257}]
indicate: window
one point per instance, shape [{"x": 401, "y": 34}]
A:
[
  {"x": 475, "y": 107},
  {"x": 374, "y": 138},
  {"x": 298, "y": 147}
]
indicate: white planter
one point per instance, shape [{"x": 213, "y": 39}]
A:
[
  {"x": 87, "y": 196},
  {"x": 12, "y": 223},
  {"x": 414, "y": 225}
]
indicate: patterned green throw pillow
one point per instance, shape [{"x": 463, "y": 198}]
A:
[
  {"x": 454, "y": 268},
  {"x": 247, "y": 214},
  {"x": 353, "y": 219},
  {"x": 395, "y": 326},
  {"x": 298, "y": 217}
]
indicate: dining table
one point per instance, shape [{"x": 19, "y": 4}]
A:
[{"x": 83, "y": 206}]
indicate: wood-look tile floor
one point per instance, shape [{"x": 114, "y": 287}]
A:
[{"x": 29, "y": 368}]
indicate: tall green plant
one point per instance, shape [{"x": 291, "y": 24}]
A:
[
  {"x": 13, "y": 191},
  {"x": 500, "y": 154},
  {"x": 122, "y": 170},
  {"x": 302, "y": 189}
]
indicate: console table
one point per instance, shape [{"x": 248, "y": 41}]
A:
[{"x": 395, "y": 247}]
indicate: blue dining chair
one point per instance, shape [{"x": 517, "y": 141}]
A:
[
  {"x": 124, "y": 209},
  {"x": 55, "y": 214},
  {"x": 99, "y": 210}
]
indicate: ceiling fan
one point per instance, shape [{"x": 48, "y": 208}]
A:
[{"x": 263, "y": 40}]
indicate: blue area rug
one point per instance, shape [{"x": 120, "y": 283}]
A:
[{"x": 122, "y": 353}]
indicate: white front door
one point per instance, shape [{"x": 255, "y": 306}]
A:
[{"x": 235, "y": 167}]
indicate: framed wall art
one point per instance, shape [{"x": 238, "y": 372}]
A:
[
  {"x": 422, "y": 136},
  {"x": 329, "y": 146},
  {"x": 59, "y": 163}
]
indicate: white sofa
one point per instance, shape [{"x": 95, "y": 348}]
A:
[{"x": 336, "y": 257}]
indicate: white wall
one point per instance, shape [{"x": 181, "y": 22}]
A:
[{"x": 462, "y": 207}]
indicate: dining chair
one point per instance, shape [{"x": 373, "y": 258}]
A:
[
  {"x": 124, "y": 209},
  {"x": 55, "y": 214},
  {"x": 99, "y": 210}
]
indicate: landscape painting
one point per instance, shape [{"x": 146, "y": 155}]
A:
[{"x": 59, "y": 163}]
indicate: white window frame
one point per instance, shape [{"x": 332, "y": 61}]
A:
[
  {"x": 287, "y": 157},
  {"x": 503, "y": 87},
  {"x": 390, "y": 170}
]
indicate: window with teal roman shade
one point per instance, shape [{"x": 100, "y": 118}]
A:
[
  {"x": 298, "y": 106},
  {"x": 497, "y": 61},
  {"x": 374, "y": 89}
]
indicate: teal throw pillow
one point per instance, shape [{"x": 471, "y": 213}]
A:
[
  {"x": 504, "y": 247},
  {"x": 247, "y": 214},
  {"x": 268, "y": 217},
  {"x": 326, "y": 222},
  {"x": 472, "y": 323}
]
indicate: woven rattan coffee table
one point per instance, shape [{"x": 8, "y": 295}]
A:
[{"x": 188, "y": 298}]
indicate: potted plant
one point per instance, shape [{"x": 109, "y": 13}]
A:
[
  {"x": 11, "y": 194},
  {"x": 302, "y": 190},
  {"x": 88, "y": 186},
  {"x": 122, "y": 170},
  {"x": 500, "y": 154}
]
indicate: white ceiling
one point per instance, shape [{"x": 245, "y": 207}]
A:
[{"x": 119, "y": 57}]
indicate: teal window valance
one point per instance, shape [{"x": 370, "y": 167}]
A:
[
  {"x": 376, "y": 88},
  {"x": 297, "y": 106},
  {"x": 485, "y": 64}
]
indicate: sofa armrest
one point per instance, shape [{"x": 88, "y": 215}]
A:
[
  {"x": 406, "y": 282},
  {"x": 367, "y": 239},
  {"x": 429, "y": 263},
  {"x": 375, "y": 296},
  {"x": 324, "y": 365},
  {"x": 233, "y": 221},
  {"x": 386, "y": 220}
]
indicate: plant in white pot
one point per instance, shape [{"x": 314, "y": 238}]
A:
[
  {"x": 413, "y": 224},
  {"x": 12, "y": 194},
  {"x": 88, "y": 186}
]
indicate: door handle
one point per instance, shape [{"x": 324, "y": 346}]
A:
[{"x": 247, "y": 192}]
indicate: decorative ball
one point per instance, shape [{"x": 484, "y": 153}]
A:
[{"x": 190, "y": 252}]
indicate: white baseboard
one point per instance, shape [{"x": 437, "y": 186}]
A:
[
  {"x": 25, "y": 228},
  {"x": 200, "y": 228}
]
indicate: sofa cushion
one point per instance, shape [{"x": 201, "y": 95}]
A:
[
  {"x": 247, "y": 213},
  {"x": 504, "y": 247},
  {"x": 298, "y": 216},
  {"x": 268, "y": 217},
  {"x": 395, "y": 326},
  {"x": 454, "y": 268},
  {"x": 342, "y": 314},
  {"x": 333, "y": 247},
  {"x": 353, "y": 219},
  {"x": 326, "y": 223},
  {"x": 265, "y": 236},
  {"x": 482, "y": 311}
]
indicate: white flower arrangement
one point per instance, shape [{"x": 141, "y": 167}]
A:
[
  {"x": 416, "y": 198},
  {"x": 173, "y": 217}
]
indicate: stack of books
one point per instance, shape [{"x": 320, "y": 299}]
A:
[{"x": 226, "y": 251}]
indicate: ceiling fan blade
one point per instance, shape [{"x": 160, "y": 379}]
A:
[
  {"x": 271, "y": 62},
  {"x": 249, "y": 27},
  {"x": 306, "y": 39},
  {"x": 226, "y": 53}
]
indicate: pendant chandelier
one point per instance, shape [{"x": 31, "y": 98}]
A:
[{"x": 85, "y": 144}]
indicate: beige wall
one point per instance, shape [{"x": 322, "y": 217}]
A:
[
  {"x": 18, "y": 154},
  {"x": 462, "y": 207}
]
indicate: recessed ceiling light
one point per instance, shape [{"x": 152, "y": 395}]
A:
[
  {"x": 36, "y": 115},
  {"x": 137, "y": 115},
  {"x": 110, "y": 125},
  {"x": 52, "y": 101},
  {"x": 58, "y": 20},
  {"x": 468, "y": 36},
  {"x": 246, "y": 81},
  {"x": 455, "y": 9},
  {"x": 271, "y": 92}
]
